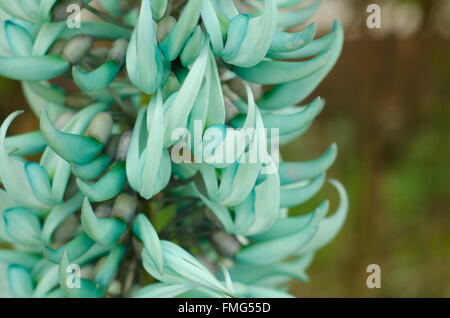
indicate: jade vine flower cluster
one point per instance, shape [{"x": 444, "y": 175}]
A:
[{"x": 106, "y": 211}]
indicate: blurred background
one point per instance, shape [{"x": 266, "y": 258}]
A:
[{"x": 388, "y": 109}]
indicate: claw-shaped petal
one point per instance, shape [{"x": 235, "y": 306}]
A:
[
  {"x": 98, "y": 79},
  {"x": 107, "y": 187},
  {"x": 71, "y": 147},
  {"x": 104, "y": 231}
]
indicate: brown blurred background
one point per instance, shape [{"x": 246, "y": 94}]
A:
[{"x": 388, "y": 110}]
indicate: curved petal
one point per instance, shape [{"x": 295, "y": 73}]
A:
[
  {"x": 71, "y": 147},
  {"x": 104, "y": 231},
  {"x": 33, "y": 68},
  {"x": 107, "y": 187},
  {"x": 97, "y": 79}
]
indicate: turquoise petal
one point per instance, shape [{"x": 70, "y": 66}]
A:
[
  {"x": 92, "y": 169},
  {"x": 193, "y": 47},
  {"x": 178, "y": 112},
  {"x": 40, "y": 183},
  {"x": 74, "y": 249},
  {"x": 331, "y": 225},
  {"x": 293, "y": 17},
  {"x": 151, "y": 160},
  {"x": 71, "y": 147},
  {"x": 212, "y": 26},
  {"x": 109, "y": 267},
  {"x": 295, "y": 121},
  {"x": 290, "y": 225},
  {"x": 258, "y": 37},
  {"x": 13, "y": 176},
  {"x": 313, "y": 48},
  {"x": 277, "y": 72},
  {"x": 14, "y": 9},
  {"x": 107, "y": 187},
  {"x": 46, "y": 37},
  {"x": 23, "y": 226},
  {"x": 20, "y": 281},
  {"x": 290, "y": 94},
  {"x": 163, "y": 290},
  {"x": 297, "y": 193},
  {"x": 47, "y": 282},
  {"x": 159, "y": 8},
  {"x": 266, "y": 204},
  {"x": 28, "y": 260},
  {"x": 145, "y": 231},
  {"x": 237, "y": 30},
  {"x": 273, "y": 251},
  {"x": 177, "y": 37},
  {"x": 291, "y": 172},
  {"x": 144, "y": 60},
  {"x": 104, "y": 231},
  {"x": 25, "y": 144},
  {"x": 58, "y": 214},
  {"x": 288, "y": 42},
  {"x": 88, "y": 289},
  {"x": 33, "y": 68},
  {"x": 98, "y": 79},
  {"x": 251, "y": 273},
  {"x": 19, "y": 40},
  {"x": 40, "y": 95}
]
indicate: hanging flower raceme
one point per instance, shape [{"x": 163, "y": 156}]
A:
[{"x": 157, "y": 139}]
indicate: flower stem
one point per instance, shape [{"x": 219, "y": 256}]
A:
[{"x": 107, "y": 18}]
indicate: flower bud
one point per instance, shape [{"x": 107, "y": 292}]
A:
[
  {"x": 124, "y": 143},
  {"x": 164, "y": 27},
  {"x": 100, "y": 127},
  {"x": 77, "y": 48},
  {"x": 226, "y": 244},
  {"x": 77, "y": 100},
  {"x": 124, "y": 207},
  {"x": 118, "y": 51}
]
